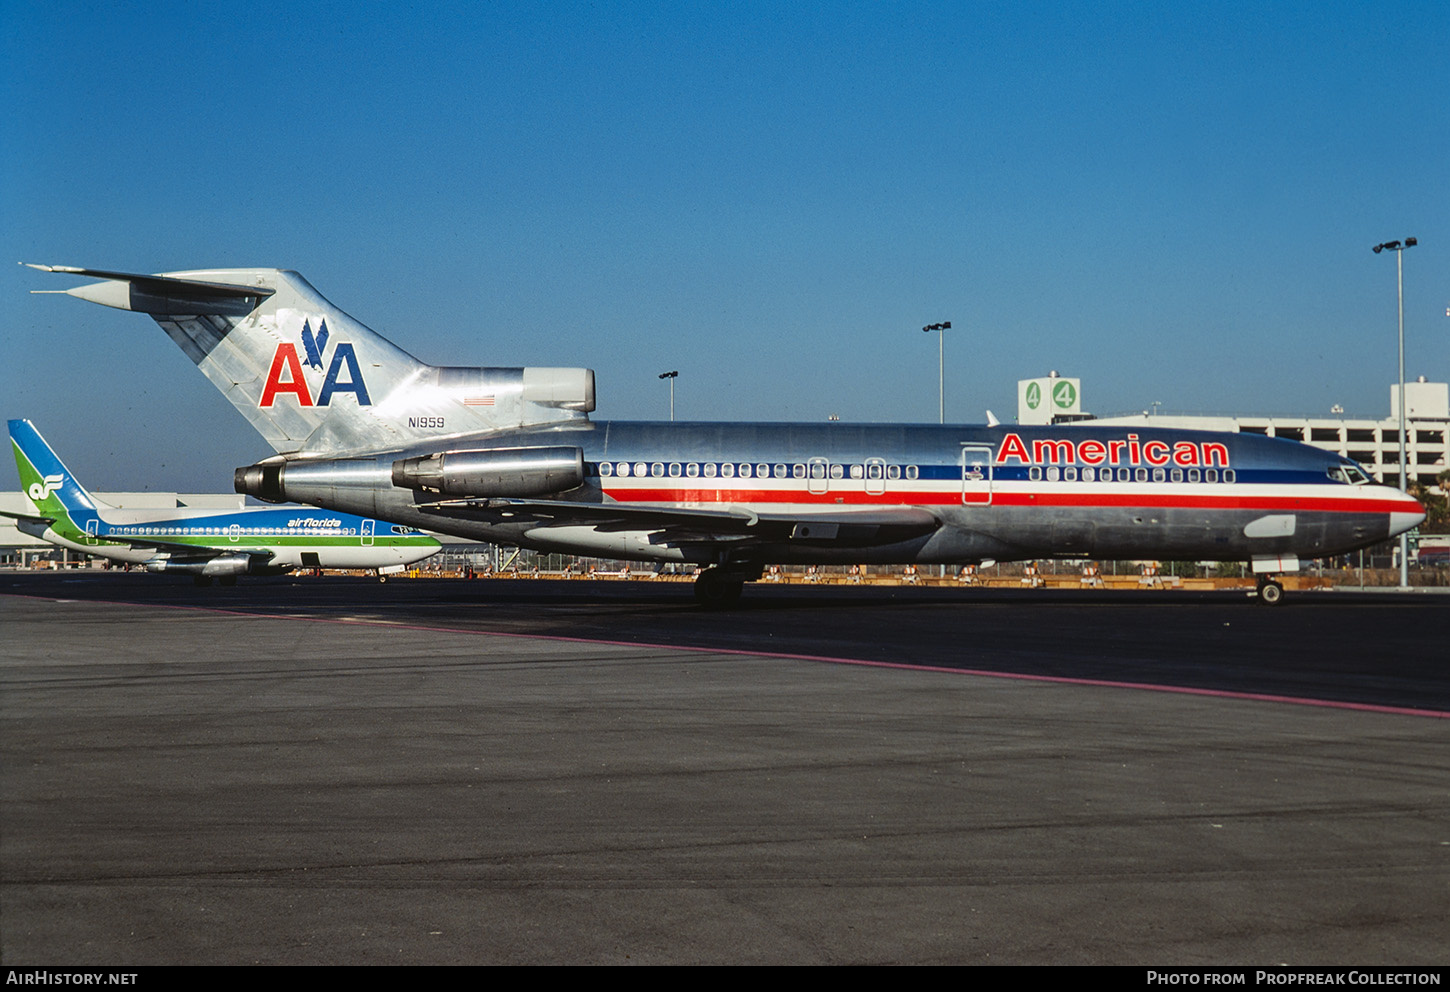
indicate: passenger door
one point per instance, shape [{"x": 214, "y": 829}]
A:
[{"x": 976, "y": 474}]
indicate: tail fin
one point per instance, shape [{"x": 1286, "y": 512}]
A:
[
  {"x": 313, "y": 380},
  {"x": 49, "y": 484}
]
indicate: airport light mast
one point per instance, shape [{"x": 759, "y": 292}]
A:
[
  {"x": 941, "y": 375},
  {"x": 1398, "y": 248},
  {"x": 672, "y": 376}
]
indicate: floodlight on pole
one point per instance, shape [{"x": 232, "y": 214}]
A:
[
  {"x": 941, "y": 387},
  {"x": 1398, "y": 248},
  {"x": 672, "y": 376}
]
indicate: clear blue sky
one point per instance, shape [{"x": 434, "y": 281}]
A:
[{"x": 1174, "y": 201}]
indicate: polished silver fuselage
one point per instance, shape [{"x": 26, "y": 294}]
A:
[{"x": 1241, "y": 497}]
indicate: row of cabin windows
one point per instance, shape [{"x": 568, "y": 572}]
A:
[
  {"x": 876, "y": 471},
  {"x": 1089, "y": 474},
  {"x": 228, "y": 531},
  {"x": 872, "y": 471}
]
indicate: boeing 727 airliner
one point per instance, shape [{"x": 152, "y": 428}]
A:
[
  {"x": 509, "y": 455},
  {"x": 201, "y": 543}
]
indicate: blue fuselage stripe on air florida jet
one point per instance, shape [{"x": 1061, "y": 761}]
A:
[{"x": 278, "y": 527}]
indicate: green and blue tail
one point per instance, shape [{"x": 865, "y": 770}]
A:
[{"x": 50, "y": 485}]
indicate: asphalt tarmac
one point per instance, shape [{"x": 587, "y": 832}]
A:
[{"x": 328, "y": 771}]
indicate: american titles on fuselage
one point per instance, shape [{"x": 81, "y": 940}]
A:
[{"x": 1124, "y": 451}]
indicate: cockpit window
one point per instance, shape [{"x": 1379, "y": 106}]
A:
[{"x": 1348, "y": 473}]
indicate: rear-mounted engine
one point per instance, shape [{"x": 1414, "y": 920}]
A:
[{"x": 493, "y": 472}]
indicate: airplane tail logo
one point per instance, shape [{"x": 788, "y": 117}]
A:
[
  {"x": 39, "y": 492},
  {"x": 48, "y": 483},
  {"x": 285, "y": 375}
]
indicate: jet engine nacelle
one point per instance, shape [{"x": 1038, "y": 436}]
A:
[
  {"x": 313, "y": 480},
  {"x": 493, "y": 472},
  {"x": 219, "y": 567},
  {"x": 360, "y": 483}
]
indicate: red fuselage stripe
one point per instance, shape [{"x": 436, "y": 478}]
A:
[{"x": 755, "y": 497}]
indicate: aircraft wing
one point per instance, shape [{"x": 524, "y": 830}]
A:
[
  {"x": 682, "y": 525},
  {"x": 178, "y": 551}
]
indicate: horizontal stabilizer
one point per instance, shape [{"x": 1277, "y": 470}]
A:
[
  {"x": 155, "y": 294},
  {"x": 27, "y": 518}
]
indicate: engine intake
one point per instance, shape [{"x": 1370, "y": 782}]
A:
[
  {"x": 264, "y": 481},
  {"x": 493, "y": 472}
]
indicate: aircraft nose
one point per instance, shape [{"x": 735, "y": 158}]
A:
[{"x": 1408, "y": 514}]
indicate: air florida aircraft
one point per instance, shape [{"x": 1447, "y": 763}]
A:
[
  {"x": 201, "y": 543},
  {"x": 509, "y": 455}
]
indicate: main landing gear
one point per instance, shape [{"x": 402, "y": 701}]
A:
[
  {"x": 1271, "y": 590},
  {"x": 719, "y": 589}
]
